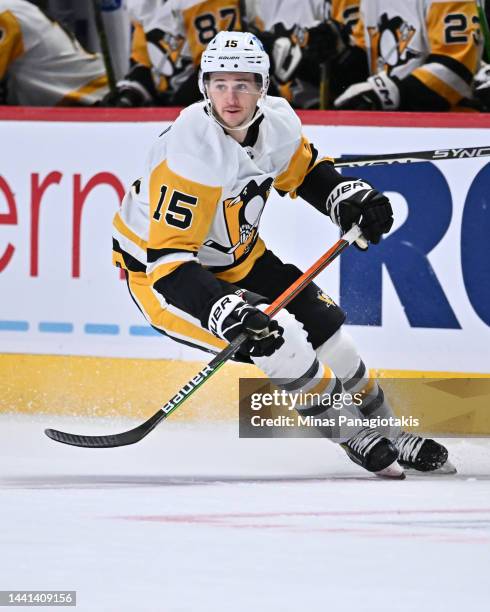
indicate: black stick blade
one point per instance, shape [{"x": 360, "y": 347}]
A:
[
  {"x": 121, "y": 439},
  {"x": 85, "y": 441}
]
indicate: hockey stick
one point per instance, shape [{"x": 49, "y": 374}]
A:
[
  {"x": 484, "y": 26},
  {"x": 324, "y": 84},
  {"x": 408, "y": 158},
  {"x": 138, "y": 433},
  {"x": 104, "y": 47}
]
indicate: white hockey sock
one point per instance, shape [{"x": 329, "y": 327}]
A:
[
  {"x": 295, "y": 368},
  {"x": 341, "y": 354}
]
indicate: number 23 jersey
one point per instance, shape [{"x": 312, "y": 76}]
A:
[
  {"x": 204, "y": 193},
  {"x": 439, "y": 42}
]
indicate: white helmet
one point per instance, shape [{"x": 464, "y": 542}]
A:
[{"x": 235, "y": 52}]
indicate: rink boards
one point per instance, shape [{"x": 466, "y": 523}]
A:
[{"x": 74, "y": 342}]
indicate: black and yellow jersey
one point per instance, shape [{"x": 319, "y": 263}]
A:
[
  {"x": 195, "y": 215},
  {"x": 432, "y": 48},
  {"x": 200, "y": 21},
  {"x": 169, "y": 38},
  {"x": 44, "y": 65},
  {"x": 186, "y": 26}
]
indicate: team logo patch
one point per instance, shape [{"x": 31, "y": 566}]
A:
[
  {"x": 390, "y": 42},
  {"x": 242, "y": 217},
  {"x": 251, "y": 202},
  {"x": 323, "y": 297}
]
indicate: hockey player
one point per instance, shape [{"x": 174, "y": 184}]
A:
[
  {"x": 43, "y": 65},
  {"x": 167, "y": 46},
  {"x": 481, "y": 83},
  {"x": 420, "y": 55},
  {"x": 299, "y": 38},
  {"x": 187, "y": 235},
  {"x": 156, "y": 61},
  {"x": 169, "y": 40}
]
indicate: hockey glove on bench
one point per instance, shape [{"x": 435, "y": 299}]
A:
[
  {"x": 379, "y": 92},
  {"x": 355, "y": 201},
  {"x": 230, "y": 316}
]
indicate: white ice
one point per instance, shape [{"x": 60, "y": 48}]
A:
[{"x": 194, "y": 519}]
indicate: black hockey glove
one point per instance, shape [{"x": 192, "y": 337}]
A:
[
  {"x": 230, "y": 316},
  {"x": 355, "y": 201},
  {"x": 128, "y": 94},
  {"x": 135, "y": 90},
  {"x": 379, "y": 92},
  {"x": 323, "y": 42},
  {"x": 481, "y": 88}
]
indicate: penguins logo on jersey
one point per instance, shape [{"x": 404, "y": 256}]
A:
[
  {"x": 390, "y": 42},
  {"x": 243, "y": 215}
]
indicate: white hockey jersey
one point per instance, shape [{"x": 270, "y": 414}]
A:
[
  {"x": 204, "y": 194},
  {"x": 144, "y": 11},
  {"x": 44, "y": 66},
  {"x": 264, "y": 14},
  {"x": 437, "y": 41}
]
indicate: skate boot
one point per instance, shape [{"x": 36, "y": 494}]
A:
[
  {"x": 374, "y": 453},
  {"x": 423, "y": 454}
]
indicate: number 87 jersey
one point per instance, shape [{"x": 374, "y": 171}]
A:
[{"x": 199, "y": 21}]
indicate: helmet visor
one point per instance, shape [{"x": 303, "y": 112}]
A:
[{"x": 219, "y": 83}]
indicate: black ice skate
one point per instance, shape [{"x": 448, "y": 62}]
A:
[
  {"x": 374, "y": 453},
  {"x": 423, "y": 454}
]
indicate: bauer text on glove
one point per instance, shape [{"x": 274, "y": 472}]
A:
[
  {"x": 355, "y": 201},
  {"x": 229, "y": 316}
]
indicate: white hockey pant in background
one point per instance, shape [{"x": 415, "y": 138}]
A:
[
  {"x": 341, "y": 354},
  {"x": 295, "y": 368}
]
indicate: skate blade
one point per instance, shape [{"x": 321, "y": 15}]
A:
[
  {"x": 448, "y": 469},
  {"x": 394, "y": 470}
]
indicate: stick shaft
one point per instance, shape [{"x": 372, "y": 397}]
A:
[
  {"x": 324, "y": 84},
  {"x": 416, "y": 156},
  {"x": 104, "y": 46}
]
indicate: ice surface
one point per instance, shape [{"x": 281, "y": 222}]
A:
[{"x": 194, "y": 519}]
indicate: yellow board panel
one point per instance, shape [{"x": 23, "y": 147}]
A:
[
  {"x": 447, "y": 402},
  {"x": 100, "y": 386}
]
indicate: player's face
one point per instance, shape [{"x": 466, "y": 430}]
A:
[{"x": 234, "y": 96}]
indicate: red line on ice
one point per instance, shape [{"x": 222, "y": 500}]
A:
[{"x": 201, "y": 518}]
